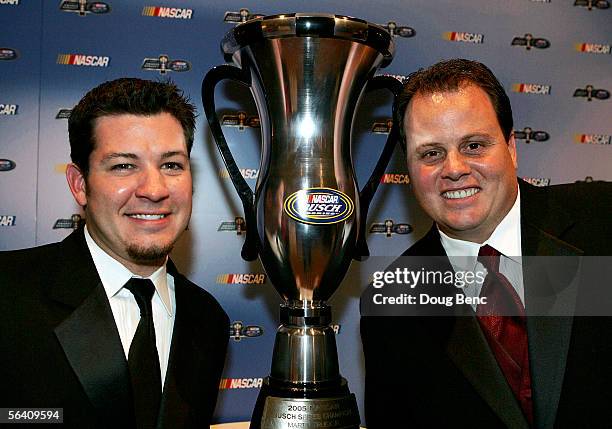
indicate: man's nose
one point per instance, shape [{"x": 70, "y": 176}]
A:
[
  {"x": 456, "y": 165},
  {"x": 152, "y": 185}
]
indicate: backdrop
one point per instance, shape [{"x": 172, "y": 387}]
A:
[{"x": 553, "y": 57}]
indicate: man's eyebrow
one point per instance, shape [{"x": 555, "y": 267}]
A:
[
  {"x": 172, "y": 153},
  {"x": 115, "y": 155},
  {"x": 482, "y": 136}
]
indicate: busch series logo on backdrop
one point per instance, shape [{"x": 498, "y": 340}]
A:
[
  {"x": 240, "y": 383},
  {"x": 528, "y": 41},
  {"x": 7, "y": 165},
  {"x": 455, "y": 36},
  {"x": 7, "y": 54},
  {"x": 83, "y": 7},
  {"x": 593, "y": 139},
  {"x": 593, "y": 48},
  {"x": 9, "y": 109},
  {"x": 238, "y": 225},
  {"x": 163, "y": 64},
  {"x": 388, "y": 227},
  {"x": 168, "y": 12},
  {"x": 528, "y": 135},
  {"x": 590, "y": 4},
  {"x": 7, "y": 220},
  {"x": 531, "y": 88},
  {"x": 589, "y": 92},
  {"x": 83, "y": 60},
  {"x": 238, "y": 331}
]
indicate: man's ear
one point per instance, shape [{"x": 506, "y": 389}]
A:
[
  {"x": 512, "y": 150},
  {"x": 77, "y": 184}
]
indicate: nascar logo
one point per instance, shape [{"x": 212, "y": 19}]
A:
[
  {"x": 319, "y": 206},
  {"x": 247, "y": 173},
  {"x": 593, "y": 139},
  {"x": 6, "y": 220},
  {"x": 537, "y": 181},
  {"x": 253, "y": 278},
  {"x": 455, "y": 36},
  {"x": 240, "y": 383},
  {"x": 593, "y": 48},
  {"x": 531, "y": 88},
  {"x": 7, "y": 165},
  {"x": 9, "y": 109},
  {"x": 167, "y": 12},
  {"x": 396, "y": 179},
  {"x": 83, "y": 60}
]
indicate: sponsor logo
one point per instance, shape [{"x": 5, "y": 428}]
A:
[
  {"x": 244, "y": 279},
  {"x": 335, "y": 328},
  {"x": 238, "y": 331},
  {"x": 83, "y": 60},
  {"x": 240, "y": 383},
  {"x": 590, "y": 4},
  {"x": 7, "y": 220},
  {"x": 395, "y": 179},
  {"x": 455, "y": 36},
  {"x": 593, "y": 139},
  {"x": 10, "y": 2},
  {"x": 240, "y": 120},
  {"x": 528, "y": 41},
  {"x": 7, "y": 54},
  {"x": 399, "y": 30},
  {"x": 168, "y": 12},
  {"x": 319, "y": 206},
  {"x": 247, "y": 173},
  {"x": 528, "y": 135},
  {"x": 73, "y": 223},
  {"x": 238, "y": 225},
  {"x": 83, "y": 7},
  {"x": 399, "y": 77},
  {"x": 243, "y": 15},
  {"x": 63, "y": 114},
  {"x": 7, "y": 165},
  {"x": 382, "y": 126},
  {"x": 590, "y": 92},
  {"x": 388, "y": 227},
  {"x": 163, "y": 64},
  {"x": 593, "y": 48},
  {"x": 537, "y": 181},
  {"x": 9, "y": 109},
  {"x": 531, "y": 88}
]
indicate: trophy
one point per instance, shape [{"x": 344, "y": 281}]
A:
[{"x": 306, "y": 219}]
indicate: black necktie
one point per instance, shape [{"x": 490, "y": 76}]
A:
[{"x": 143, "y": 360}]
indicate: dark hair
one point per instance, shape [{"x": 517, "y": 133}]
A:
[
  {"x": 450, "y": 75},
  {"x": 125, "y": 96}
]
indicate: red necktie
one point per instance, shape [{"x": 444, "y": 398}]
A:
[{"x": 503, "y": 322}]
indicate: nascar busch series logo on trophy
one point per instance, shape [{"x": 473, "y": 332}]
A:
[{"x": 306, "y": 219}]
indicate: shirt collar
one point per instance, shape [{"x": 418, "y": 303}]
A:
[
  {"x": 114, "y": 275},
  {"x": 506, "y": 238}
]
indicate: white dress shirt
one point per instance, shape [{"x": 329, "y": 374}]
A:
[
  {"x": 506, "y": 239},
  {"x": 124, "y": 307}
]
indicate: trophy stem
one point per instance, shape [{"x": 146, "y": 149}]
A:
[{"x": 305, "y": 386}]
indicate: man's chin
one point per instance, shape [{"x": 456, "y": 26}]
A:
[{"x": 150, "y": 255}]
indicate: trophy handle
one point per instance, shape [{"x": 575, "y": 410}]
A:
[
  {"x": 212, "y": 78},
  {"x": 367, "y": 193}
]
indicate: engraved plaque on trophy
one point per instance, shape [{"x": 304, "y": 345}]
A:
[{"x": 306, "y": 219}]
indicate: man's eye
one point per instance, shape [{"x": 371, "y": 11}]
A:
[
  {"x": 430, "y": 154},
  {"x": 121, "y": 167},
  {"x": 172, "y": 166},
  {"x": 474, "y": 146}
]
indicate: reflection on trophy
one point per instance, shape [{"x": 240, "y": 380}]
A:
[{"x": 306, "y": 218}]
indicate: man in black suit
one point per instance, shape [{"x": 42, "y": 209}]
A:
[
  {"x": 451, "y": 368},
  {"x": 102, "y": 324}
]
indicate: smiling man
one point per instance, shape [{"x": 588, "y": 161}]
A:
[
  {"x": 101, "y": 324},
  {"x": 488, "y": 363}
]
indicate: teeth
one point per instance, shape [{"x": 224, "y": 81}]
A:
[
  {"x": 147, "y": 216},
  {"x": 464, "y": 193}
]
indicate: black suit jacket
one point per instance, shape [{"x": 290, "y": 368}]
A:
[
  {"x": 61, "y": 348},
  {"x": 439, "y": 372}
]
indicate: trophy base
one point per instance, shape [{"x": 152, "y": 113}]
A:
[{"x": 288, "y": 406}]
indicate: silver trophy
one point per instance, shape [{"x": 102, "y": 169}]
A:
[{"x": 306, "y": 218}]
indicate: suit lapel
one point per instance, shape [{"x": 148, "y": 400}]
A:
[
  {"x": 89, "y": 335},
  {"x": 468, "y": 349},
  {"x": 548, "y": 291}
]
